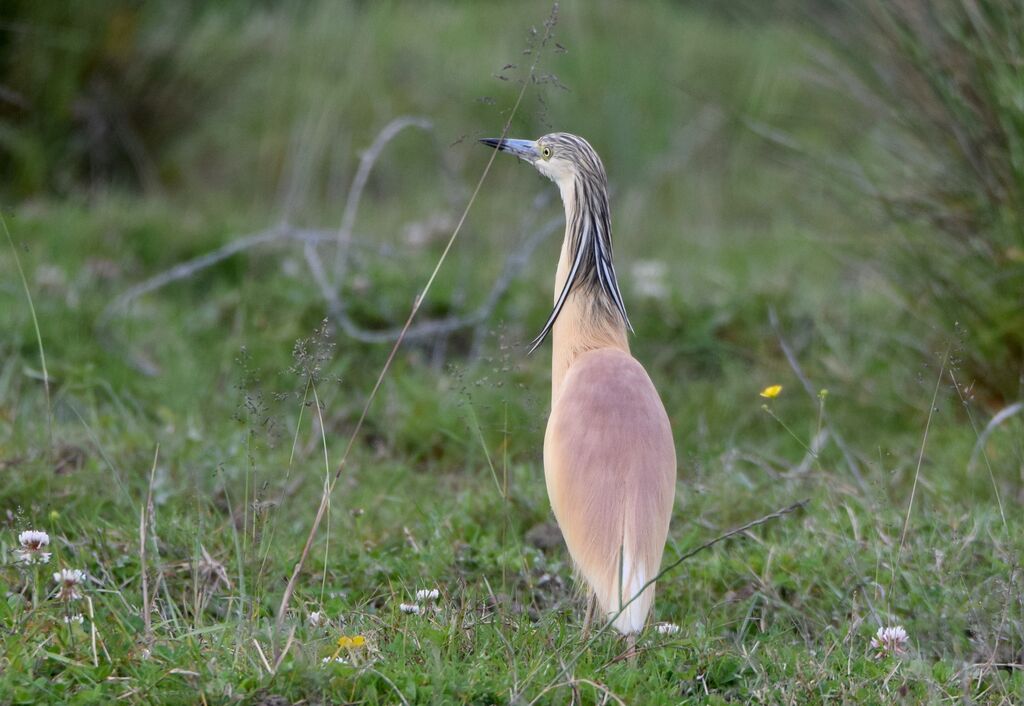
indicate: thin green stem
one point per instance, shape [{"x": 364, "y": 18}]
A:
[
  {"x": 39, "y": 335},
  {"x": 785, "y": 426}
]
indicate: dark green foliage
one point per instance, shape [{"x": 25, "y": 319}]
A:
[
  {"x": 95, "y": 93},
  {"x": 946, "y": 82}
]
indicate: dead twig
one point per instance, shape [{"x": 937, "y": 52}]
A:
[
  {"x": 355, "y": 191},
  {"x": 263, "y": 657},
  {"x": 310, "y": 238},
  {"x": 280, "y": 232},
  {"x": 1000, "y": 417},
  {"x": 145, "y": 519},
  {"x": 188, "y": 268},
  {"x": 514, "y": 264},
  {"x": 731, "y": 533}
]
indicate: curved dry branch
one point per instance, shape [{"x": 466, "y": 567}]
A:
[
  {"x": 355, "y": 191},
  {"x": 188, "y": 268},
  {"x": 343, "y": 238},
  {"x": 1000, "y": 417},
  {"x": 514, "y": 264},
  {"x": 310, "y": 238}
]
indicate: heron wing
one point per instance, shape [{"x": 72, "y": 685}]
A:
[{"x": 610, "y": 467}]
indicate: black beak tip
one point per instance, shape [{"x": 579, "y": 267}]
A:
[{"x": 491, "y": 142}]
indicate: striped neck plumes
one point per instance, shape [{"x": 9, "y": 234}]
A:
[{"x": 588, "y": 233}]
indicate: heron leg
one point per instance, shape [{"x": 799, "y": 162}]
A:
[
  {"x": 631, "y": 647},
  {"x": 589, "y": 615}
]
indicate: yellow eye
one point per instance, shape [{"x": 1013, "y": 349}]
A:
[{"x": 545, "y": 152}]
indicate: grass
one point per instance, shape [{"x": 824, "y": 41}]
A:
[{"x": 253, "y": 400}]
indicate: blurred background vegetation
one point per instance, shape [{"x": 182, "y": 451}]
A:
[
  {"x": 855, "y": 167},
  {"x": 757, "y": 151}
]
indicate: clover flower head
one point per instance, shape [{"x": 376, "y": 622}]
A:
[
  {"x": 316, "y": 619},
  {"x": 666, "y": 628},
  {"x": 76, "y": 619},
  {"x": 32, "y": 542},
  {"x": 427, "y": 594},
  {"x": 410, "y": 608},
  {"x": 890, "y": 641},
  {"x": 68, "y": 582}
]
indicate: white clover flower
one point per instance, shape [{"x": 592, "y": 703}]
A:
[
  {"x": 427, "y": 594},
  {"x": 666, "y": 628},
  {"x": 33, "y": 542},
  {"x": 77, "y": 618},
  {"x": 334, "y": 660},
  {"x": 891, "y": 641},
  {"x": 316, "y": 619},
  {"x": 410, "y": 608},
  {"x": 69, "y": 581}
]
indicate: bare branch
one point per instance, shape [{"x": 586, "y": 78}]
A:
[
  {"x": 310, "y": 238},
  {"x": 514, "y": 264},
  {"x": 189, "y": 268},
  {"x": 1000, "y": 417},
  {"x": 355, "y": 191},
  {"x": 726, "y": 535}
]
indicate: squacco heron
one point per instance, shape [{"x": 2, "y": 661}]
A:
[{"x": 609, "y": 458}]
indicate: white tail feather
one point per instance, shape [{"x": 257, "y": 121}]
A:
[{"x": 631, "y": 618}]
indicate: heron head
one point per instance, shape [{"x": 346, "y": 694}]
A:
[{"x": 561, "y": 157}]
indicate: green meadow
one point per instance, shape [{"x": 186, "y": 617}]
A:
[{"x": 215, "y": 228}]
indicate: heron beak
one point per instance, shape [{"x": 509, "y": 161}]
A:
[{"x": 526, "y": 150}]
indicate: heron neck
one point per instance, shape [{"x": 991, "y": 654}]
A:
[{"x": 586, "y": 322}]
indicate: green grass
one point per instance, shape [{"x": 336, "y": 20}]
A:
[{"x": 444, "y": 487}]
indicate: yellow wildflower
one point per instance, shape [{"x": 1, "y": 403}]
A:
[
  {"x": 346, "y": 643},
  {"x": 771, "y": 392},
  {"x": 351, "y": 643}
]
